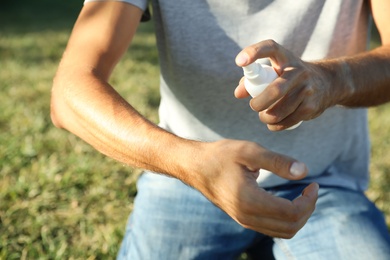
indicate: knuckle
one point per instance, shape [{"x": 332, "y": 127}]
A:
[
  {"x": 305, "y": 74},
  {"x": 308, "y": 109},
  {"x": 269, "y": 45},
  {"x": 254, "y": 106},
  {"x": 253, "y": 147},
  {"x": 276, "y": 91},
  {"x": 278, "y": 163},
  {"x": 253, "y": 49},
  {"x": 273, "y": 44},
  {"x": 244, "y": 148},
  {"x": 308, "y": 90}
]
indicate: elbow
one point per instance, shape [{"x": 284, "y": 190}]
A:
[{"x": 67, "y": 97}]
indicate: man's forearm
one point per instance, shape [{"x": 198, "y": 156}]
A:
[
  {"x": 366, "y": 77},
  {"x": 88, "y": 107}
]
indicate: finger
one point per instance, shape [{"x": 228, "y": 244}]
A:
[
  {"x": 240, "y": 91},
  {"x": 291, "y": 121},
  {"x": 284, "y": 113},
  {"x": 274, "y": 227},
  {"x": 263, "y": 49},
  {"x": 256, "y": 157},
  {"x": 279, "y": 88},
  {"x": 271, "y": 94},
  {"x": 277, "y": 216},
  {"x": 304, "y": 205},
  {"x": 307, "y": 201},
  {"x": 305, "y": 111},
  {"x": 283, "y": 110},
  {"x": 283, "y": 209}
]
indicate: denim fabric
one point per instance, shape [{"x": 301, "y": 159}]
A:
[{"x": 173, "y": 221}]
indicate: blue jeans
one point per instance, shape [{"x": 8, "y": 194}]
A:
[{"x": 173, "y": 221}]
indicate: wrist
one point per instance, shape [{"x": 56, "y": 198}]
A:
[
  {"x": 180, "y": 158},
  {"x": 346, "y": 84},
  {"x": 338, "y": 74}
]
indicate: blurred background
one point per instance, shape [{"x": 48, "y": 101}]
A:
[{"x": 59, "y": 198}]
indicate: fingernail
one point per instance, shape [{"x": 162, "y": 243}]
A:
[
  {"x": 242, "y": 58},
  {"x": 297, "y": 169}
]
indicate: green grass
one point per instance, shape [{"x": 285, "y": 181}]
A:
[{"x": 59, "y": 198}]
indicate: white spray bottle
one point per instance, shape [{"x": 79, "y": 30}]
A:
[{"x": 257, "y": 78}]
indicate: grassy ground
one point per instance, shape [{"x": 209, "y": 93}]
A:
[{"x": 60, "y": 199}]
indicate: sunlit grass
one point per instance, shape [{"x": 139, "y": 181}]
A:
[
  {"x": 380, "y": 161},
  {"x": 59, "y": 198}
]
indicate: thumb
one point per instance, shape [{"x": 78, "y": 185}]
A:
[
  {"x": 279, "y": 164},
  {"x": 308, "y": 198}
]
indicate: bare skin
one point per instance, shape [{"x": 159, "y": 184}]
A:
[
  {"x": 304, "y": 90},
  {"x": 84, "y": 103}
]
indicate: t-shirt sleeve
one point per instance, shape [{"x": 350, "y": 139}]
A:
[{"x": 142, "y": 4}]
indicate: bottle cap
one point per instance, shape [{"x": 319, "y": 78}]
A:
[{"x": 254, "y": 71}]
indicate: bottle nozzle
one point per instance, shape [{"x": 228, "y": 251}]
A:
[
  {"x": 253, "y": 70},
  {"x": 256, "y": 73}
]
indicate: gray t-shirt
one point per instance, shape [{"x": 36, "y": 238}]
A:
[{"x": 197, "y": 43}]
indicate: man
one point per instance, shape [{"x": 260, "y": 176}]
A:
[{"x": 217, "y": 205}]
